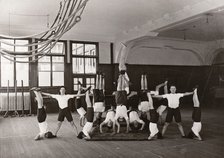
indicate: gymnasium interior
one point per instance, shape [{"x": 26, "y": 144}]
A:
[{"x": 51, "y": 44}]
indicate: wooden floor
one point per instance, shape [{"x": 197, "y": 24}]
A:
[{"x": 16, "y": 140}]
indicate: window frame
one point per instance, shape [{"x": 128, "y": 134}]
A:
[
  {"x": 84, "y": 75},
  {"x": 51, "y": 55},
  {"x": 14, "y": 63}
]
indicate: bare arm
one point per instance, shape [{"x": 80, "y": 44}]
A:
[
  {"x": 157, "y": 96},
  {"x": 127, "y": 121},
  {"x": 132, "y": 94},
  {"x": 188, "y": 93},
  {"x": 48, "y": 94},
  {"x": 75, "y": 95},
  {"x": 118, "y": 126},
  {"x": 114, "y": 126},
  {"x": 101, "y": 126},
  {"x": 161, "y": 85},
  {"x": 165, "y": 88},
  {"x": 143, "y": 124}
]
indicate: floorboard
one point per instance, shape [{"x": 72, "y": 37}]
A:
[{"x": 16, "y": 140}]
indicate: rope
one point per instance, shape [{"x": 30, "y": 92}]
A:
[
  {"x": 36, "y": 35},
  {"x": 40, "y": 53},
  {"x": 63, "y": 26},
  {"x": 55, "y": 20}
]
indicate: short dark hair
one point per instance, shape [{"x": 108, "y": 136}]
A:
[
  {"x": 49, "y": 135},
  {"x": 133, "y": 127},
  {"x": 109, "y": 127},
  {"x": 80, "y": 135}
]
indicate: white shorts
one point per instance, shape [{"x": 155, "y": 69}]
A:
[
  {"x": 160, "y": 109},
  {"x": 133, "y": 116},
  {"x": 144, "y": 106},
  {"x": 81, "y": 111},
  {"x": 99, "y": 107},
  {"x": 153, "y": 129},
  {"x": 196, "y": 128},
  {"x": 121, "y": 112},
  {"x": 109, "y": 117},
  {"x": 87, "y": 128},
  {"x": 43, "y": 127}
]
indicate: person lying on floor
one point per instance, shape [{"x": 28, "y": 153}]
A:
[
  {"x": 41, "y": 116},
  {"x": 196, "y": 117},
  {"x": 88, "y": 127}
]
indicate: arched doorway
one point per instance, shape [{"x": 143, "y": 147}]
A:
[{"x": 216, "y": 77}]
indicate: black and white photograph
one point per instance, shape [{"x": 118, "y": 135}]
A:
[{"x": 111, "y": 78}]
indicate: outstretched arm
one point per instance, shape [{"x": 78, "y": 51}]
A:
[
  {"x": 48, "y": 94},
  {"x": 75, "y": 95},
  {"x": 188, "y": 93},
  {"x": 157, "y": 96}
]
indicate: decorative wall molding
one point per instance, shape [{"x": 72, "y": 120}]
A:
[{"x": 166, "y": 20}]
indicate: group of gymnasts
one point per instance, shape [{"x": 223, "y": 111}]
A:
[{"x": 90, "y": 105}]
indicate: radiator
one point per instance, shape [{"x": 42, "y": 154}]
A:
[{"x": 12, "y": 105}]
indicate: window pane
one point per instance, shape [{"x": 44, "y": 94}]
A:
[
  {"x": 58, "y": 79},
  {"x": 78, "y": 65},
  {"x": 44, "y": 79},
  {"x": 21, "y": 48},
  {"x": 75, "y": 87},
  {"x": 77, "y": 49},
  {"x": 58, "y": 63},
  {"x": 6, "y": 46},
  {"x": 90, "y": 65},
  {"x": 7, "y": 72},
  {"x": 90, "y": 82},
  {"x": 58, "y": 67},
  {"x": 56, "y": 59},
  {"x": 58, "y": 48},
  {"x": 75, "y": 81},
  {"x": 22, "y": 72},
  {"x": 93, "y": 80},
  {"x": 45, "y": 59},
  {"x": 44, "y": 67},
  {"x": 90, "y": 49},
  {"x": 44, "y": 64}
]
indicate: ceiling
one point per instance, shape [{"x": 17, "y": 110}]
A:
[
  {"x": 206, "y": 27},
  {"x": 109, "y": 20}
]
